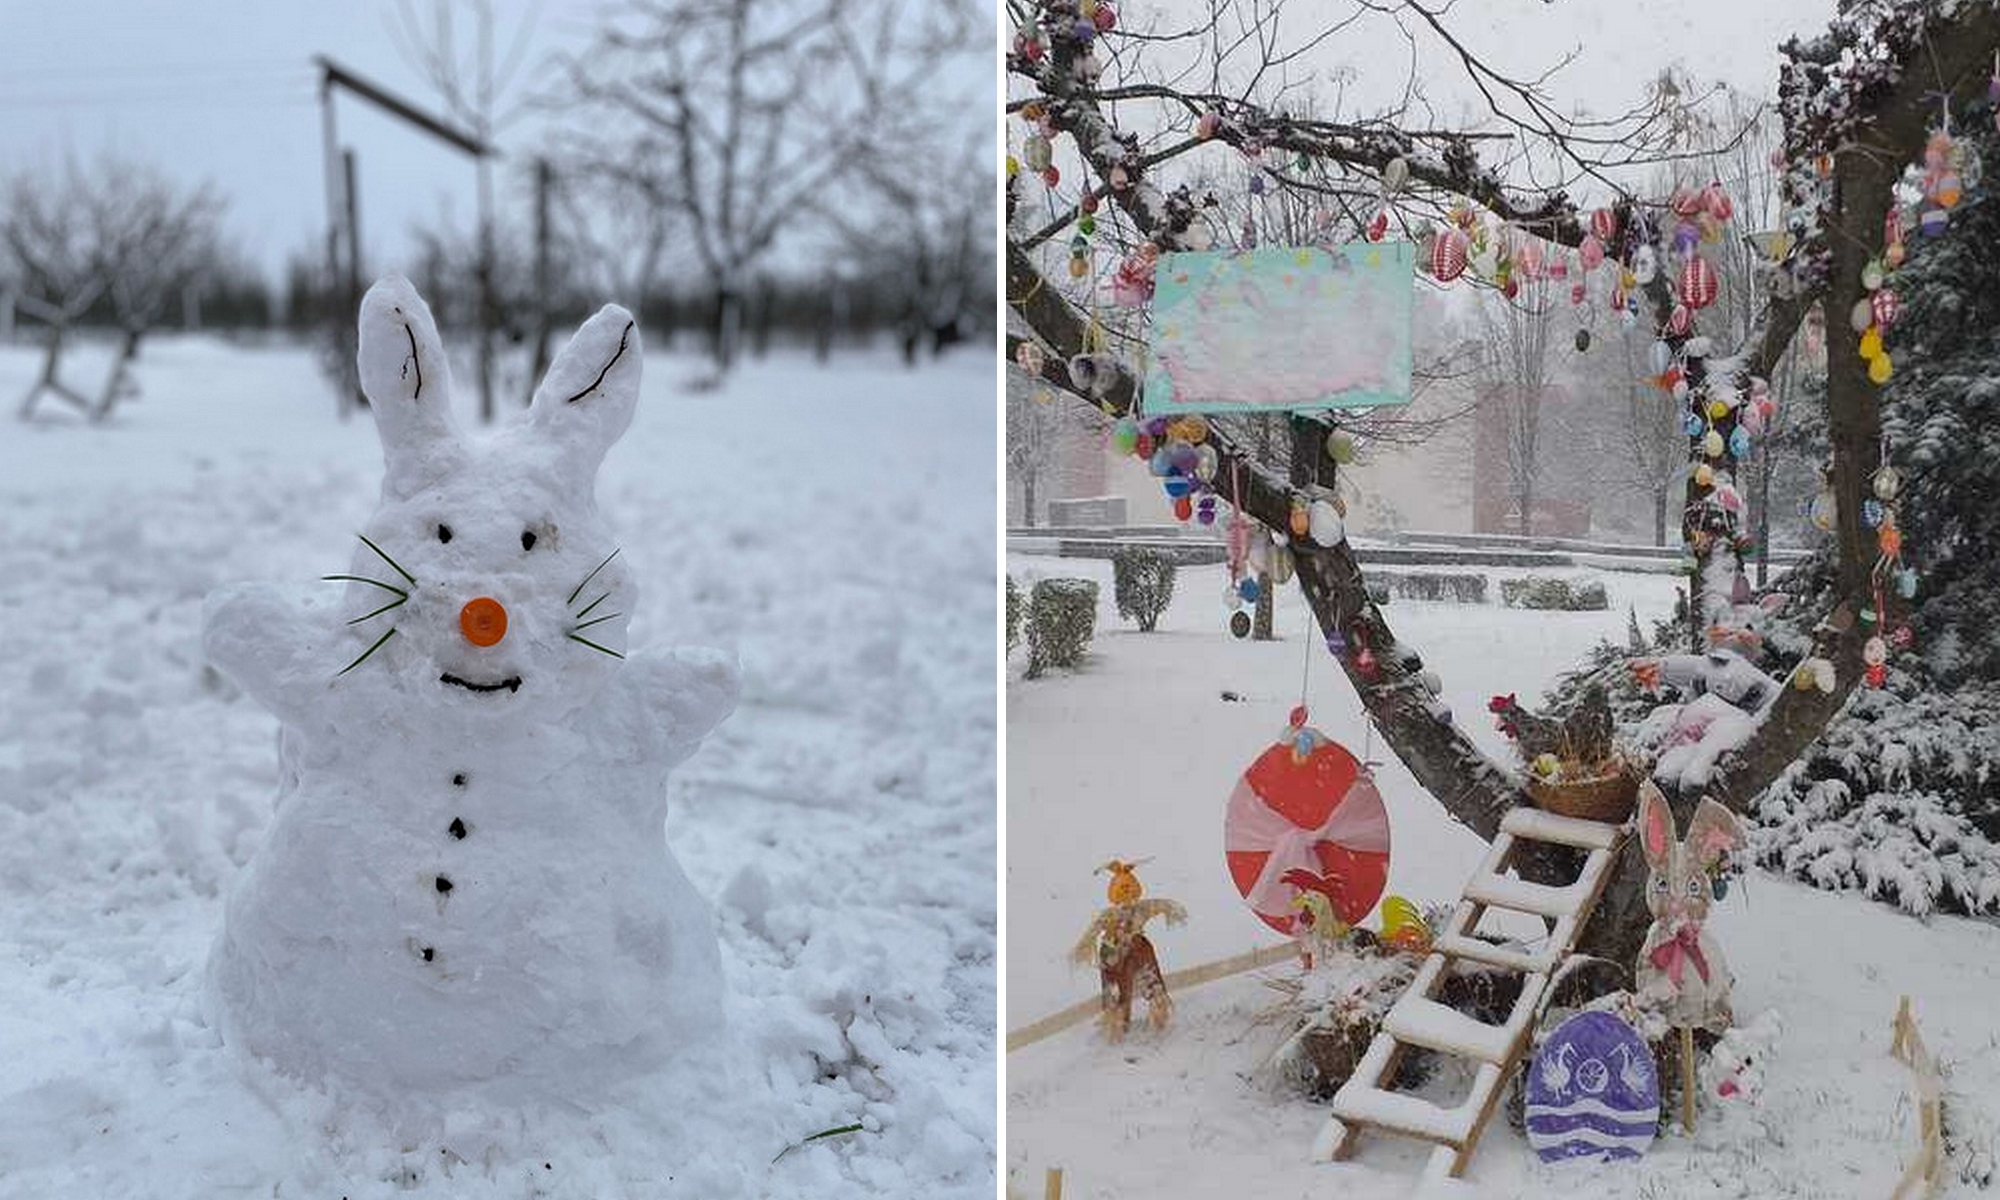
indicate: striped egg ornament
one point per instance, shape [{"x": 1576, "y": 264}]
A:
[{"x": 1698, "y": 285}]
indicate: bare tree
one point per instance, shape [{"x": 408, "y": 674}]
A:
[
  {"x": 741, "y": 114},
  {"x": 474, "y": 88},
  {"x": 1516, "y": 387},
  {"x": 931, "y": 231},
  {"x": 118, "y": 231}
]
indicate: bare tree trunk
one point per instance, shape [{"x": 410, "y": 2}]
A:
[
  {"x": 1028, "y": 498},
  {"x": 1659, "y": 516},
  {"x": 1260, "y": 622},
  {"x": 1762, "y": 499},
  {"x": 118, "y": 385}
]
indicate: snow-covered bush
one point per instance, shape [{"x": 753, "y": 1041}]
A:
[
  {"x": 1062, "y": 617},
  {"x": 1535, "y": 591},
  {"x": 1450, "y": 586},
  {"x": 1143, "y": 585},
  {"x": 1013, "y": 615}
]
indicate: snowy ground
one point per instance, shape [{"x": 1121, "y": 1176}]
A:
[
  {"x": 1135, "y": 755},
  {"x": 833, "y": 528}
]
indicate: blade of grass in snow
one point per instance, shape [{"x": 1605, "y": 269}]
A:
[{"x": 824, "y": 1133}]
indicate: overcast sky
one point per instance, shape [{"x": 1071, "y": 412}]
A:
[{"x": 225, "y": 90}]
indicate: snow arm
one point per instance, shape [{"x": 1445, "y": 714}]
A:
[
  {"x": 681, "y": 693},
  {"x": 277, "y": 644}
]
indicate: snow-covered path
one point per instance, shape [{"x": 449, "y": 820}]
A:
[
  {"x": 842, "y": 820},
  {"x": 1135, "y": 755}
]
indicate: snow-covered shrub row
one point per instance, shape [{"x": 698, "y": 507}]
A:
[
  {"x": 1536, "y": 591},
  {"x": 1450, "y": 586},
  {"x": 1062, "y": 617},
  {"x": 1143, "y": 585}
]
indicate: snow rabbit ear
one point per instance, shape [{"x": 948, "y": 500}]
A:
[
  {"x": 585, "y": 402},
  {"x": 407, "y": 380}
]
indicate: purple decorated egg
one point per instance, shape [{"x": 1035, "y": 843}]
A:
[{"x": 1592, "y": 1091}]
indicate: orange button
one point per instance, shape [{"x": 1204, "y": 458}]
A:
[{"x": 484, "y": 621}]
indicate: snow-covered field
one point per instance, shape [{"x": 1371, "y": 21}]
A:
[
  {"x": 1135, "y": 755},
  {"x": 833, "y": 528}
]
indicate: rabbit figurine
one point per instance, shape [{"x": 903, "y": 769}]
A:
[
  {"x": 465, "y": 887},
  {"x": 1681, "y": 969}
]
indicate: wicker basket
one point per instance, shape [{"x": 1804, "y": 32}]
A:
[{"x": 1609, "y": 797}]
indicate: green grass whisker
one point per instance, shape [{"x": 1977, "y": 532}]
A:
[{"x": 366, "y": 653}]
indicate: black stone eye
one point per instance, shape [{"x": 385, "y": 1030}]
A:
[
  {"x": 444, "y": 533},
  {"x": 527, "y": 539}
]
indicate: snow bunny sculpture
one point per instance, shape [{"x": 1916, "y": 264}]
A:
[
  {"x": 1681, "y": 968},
  {"x": 465, "y": 887}
]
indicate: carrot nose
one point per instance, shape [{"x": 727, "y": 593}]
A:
[{"x": 483, "y": 620}]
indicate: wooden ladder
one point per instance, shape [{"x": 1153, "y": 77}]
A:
[{"x": 1419, "y": 1020}]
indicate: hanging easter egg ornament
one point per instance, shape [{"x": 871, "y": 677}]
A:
[
  {"x": 1310, "y": 821},
  {"x": 1325, "y": 525},
  {"x": 1395, "y": 175},
  {"x": 1592, "y": 1091},
  {"x": 1340, "y": 446},
  {"x": 1448, "y": 256},
  {"x": 1698, "y": 283}
]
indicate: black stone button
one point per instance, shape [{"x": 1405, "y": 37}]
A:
[{"x": 457, "y": 828}]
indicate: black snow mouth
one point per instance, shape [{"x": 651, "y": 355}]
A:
[{"x": 510, "y": 684}]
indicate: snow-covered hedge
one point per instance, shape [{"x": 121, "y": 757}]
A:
[
  {"x": 1890, "y": 798},
  {"x": 1451, "y": 586},
  {"x": 1536, "y": 591},
  {"x": 1143, "y": 585},
  {"x": 1062, "y": 617}
]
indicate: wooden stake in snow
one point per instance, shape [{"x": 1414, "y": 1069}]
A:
[
  {"x": 1687, "y": 1078},
  {"x": 1052, "y": 1190},
  {"x": 1926, "y": 1171}
]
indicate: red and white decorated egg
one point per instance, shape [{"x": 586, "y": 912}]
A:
[
  {"x": 1718, "y": 202},
  {"x": 1307, "y": 821},
  {"x": 1698, "y": 285},
  {"x": 1604, "y": 223},
  {"x": 1885, "y": 306},
  {"x": 1591, "y": 252},
  {"x": 1448, "y": 255}
]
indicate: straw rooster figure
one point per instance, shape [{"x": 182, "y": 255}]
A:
[
  {"x": 1581, "y": 735},
  {"x": 1116, "y": 941}
]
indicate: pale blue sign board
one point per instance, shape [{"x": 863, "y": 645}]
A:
[{"x": 1282, "y": 328}]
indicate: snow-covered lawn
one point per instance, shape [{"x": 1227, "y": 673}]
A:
[
  {"x": 1135, "y": 755},
  {"x": 834, "y": 528}
]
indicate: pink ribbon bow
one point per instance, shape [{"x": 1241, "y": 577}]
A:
[{"x": 1683, "y": 946}]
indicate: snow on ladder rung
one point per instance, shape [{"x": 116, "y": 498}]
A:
[
  {"x": 1505, "y": 891},
  {"x": 1535, "y": 825},
  {"x": 1359, "y": 1103},
  {"x": 1424, "y": 1022},
  {"x": 1508, "y": 958}
]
